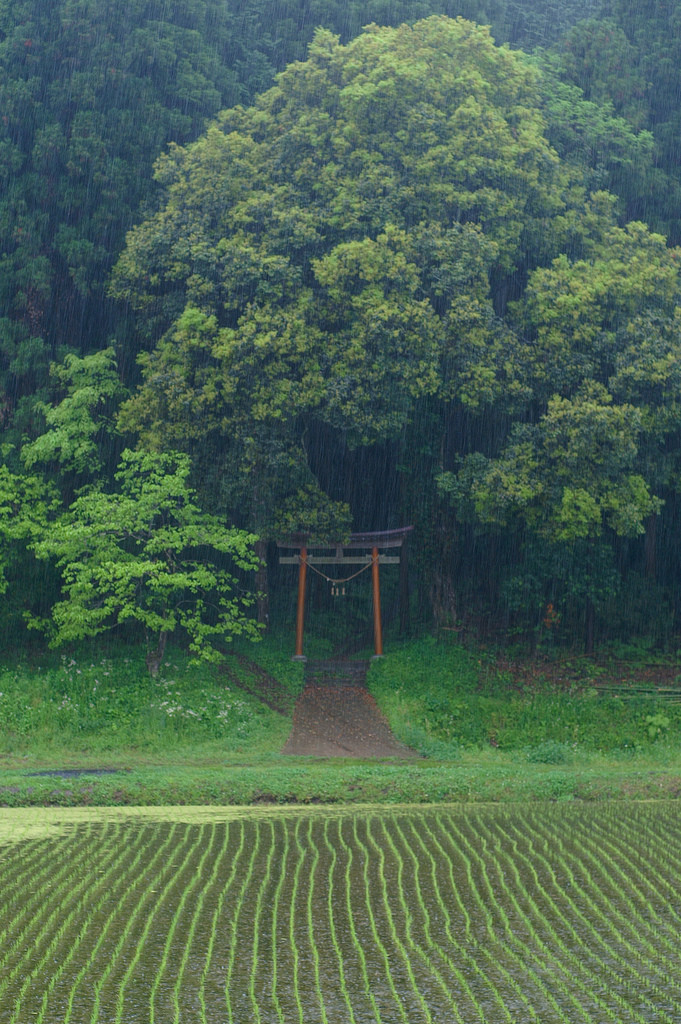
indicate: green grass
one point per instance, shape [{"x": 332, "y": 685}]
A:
[
  {"x": 200, "y": 735},
  {"x": 96, "y": 702},
  {"x": 440, "y": 697}
]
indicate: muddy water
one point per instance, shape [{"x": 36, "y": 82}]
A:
[{"x": 528, "y": 912}]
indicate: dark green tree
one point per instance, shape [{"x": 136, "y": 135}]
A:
[{"x": 324, "y": 258}]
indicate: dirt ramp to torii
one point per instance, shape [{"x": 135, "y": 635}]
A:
[{"x": 336, "y": 716}]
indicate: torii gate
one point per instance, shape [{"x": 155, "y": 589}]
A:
[{"x": 393, "y": 539}]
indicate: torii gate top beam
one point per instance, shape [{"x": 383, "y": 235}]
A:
[{"x": 356, "y": 541}]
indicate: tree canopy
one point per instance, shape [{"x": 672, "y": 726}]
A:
[
  {"x": 326, "y": 255},
  {"x": 411, "y": 281}
]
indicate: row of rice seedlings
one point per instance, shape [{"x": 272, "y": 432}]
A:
[
  {"x": 390, "y": 917},
  {"x": 645, "y": 886},
  {"x": 138, "y": 871},
  {"x": 174, "y": 881},
  {"x": 357, "y": 945},
  {"x": 486, "y": 948},
  {"x": 20, "y": 861},
  {"x": 380, "y": 947},
  {"x": 213, "y": 930},
  {"x": 663, "y": 832},
  {"x": 426, "y": 859},
  {"x": 187, "y": 890},
  {"x": 297, "y": 875},
  {"x": 662, "y": 843},
  {"x": 411, "y": 949},
  {"x": 48, "y": 915},
  {"x": 628, "y": 930},
  {"x": 276, "y": 903},
  {"x": 265, "y": 882},
  {"x": 236, "y": 941},
  {"x": 534, "y": 948},
  {"x": 546, "y": 920},
  {"x": 314, "y": 866},
  {"x": 553, "y": 914},
  {"x": 165, "y": 854},
  {"x": 24, "y": 880},
  {"x": 629, "y": 925},
  {"x": 588, "y": 939},
  {"x": 331, "y": 922},
  {"x": 634, "y": 924},
  {"x": 107, "y": 887},
  {"x": 530, "y": 969},
  {"x": 189, "y": 941},
  {"x": 18, "y": 933},
  {"x": 469, "y": 962},
  {"x": 425, "y": 956}
]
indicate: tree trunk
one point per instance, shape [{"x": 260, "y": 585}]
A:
[
  {"x": 154, "y": 658},
  {"x": 650, "y": 548},
  {"x": 589, "y": 626},
  {"x": 443, "y": 599},
  {"x": 405, "y": 623},
  {"x": 262, "y": 585}
]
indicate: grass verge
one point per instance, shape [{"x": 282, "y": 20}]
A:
[{"x": 212, "y": 735}]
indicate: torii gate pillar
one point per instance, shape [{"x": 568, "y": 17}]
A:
[
  {"x": 376, "y": 591},
  {"x": 300, "y": 617}
]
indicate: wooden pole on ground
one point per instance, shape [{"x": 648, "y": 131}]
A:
[
  {"x": 300, "y": 619},
  {"x": 376, "y": 587}
]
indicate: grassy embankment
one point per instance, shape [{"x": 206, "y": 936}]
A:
[{"x": 200, "y": 735}]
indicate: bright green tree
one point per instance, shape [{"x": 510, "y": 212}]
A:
[{"x": 146, "y": 553}]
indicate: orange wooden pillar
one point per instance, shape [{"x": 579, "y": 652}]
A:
[
  {"x": 376, "y": 587},
  {"x": 300, "y": 618}
]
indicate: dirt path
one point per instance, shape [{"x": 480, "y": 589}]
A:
[{"x": 336, "y": 716}]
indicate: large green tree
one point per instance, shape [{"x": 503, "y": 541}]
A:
[
  {"x": 594, "y": 454},
  {"x": 385, "y": 249},
  {"x": 330, "y": 256}
]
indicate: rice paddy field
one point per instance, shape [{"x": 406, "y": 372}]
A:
[{"x": 532, "y": 912}]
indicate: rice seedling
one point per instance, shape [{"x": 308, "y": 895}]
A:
[
  {"x": 358, "y": 949},
  {"x": 475, "y": 915},
  {"x": 314, "y": 868},
  {"x": 380, "y": 948},
  {"x": 216, "y": 916},
  {"x": 240, "y": 937},
  {"x": 331, "y": 924},
  {"x": 276, "y": 903}
]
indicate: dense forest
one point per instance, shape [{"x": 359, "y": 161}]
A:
[{"x": 324, "y": 266}]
